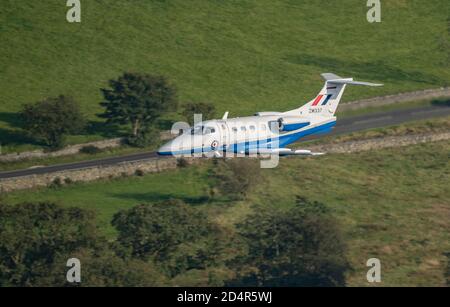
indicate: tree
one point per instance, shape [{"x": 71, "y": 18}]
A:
[
  {"x": 33, "y": 236},
  {"x": 51, "y": 119},
  {"x": 37, "y": 239},
  {"x": 171, "y": 233},
  {"x": 138, "y": 100},
  {"x": 297, "y": 247},
  {"x": 101, "y": 267},
  {"x": 207, "y": 110},
  {"x": 234, "y": 178}
]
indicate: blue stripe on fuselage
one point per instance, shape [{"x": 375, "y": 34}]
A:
[
  {"x": 284, "y": 140},
  {"x": 296, "y": 126}
]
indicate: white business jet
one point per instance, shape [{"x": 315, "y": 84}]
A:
[{"x": 265, "y": 132}]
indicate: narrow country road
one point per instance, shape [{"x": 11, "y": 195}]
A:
[{"x": 345, "y": 125}]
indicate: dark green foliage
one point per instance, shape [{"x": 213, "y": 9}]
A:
[
  {"x": 34, "y": 236},
  {"x": 56, "y": 183},
  {"x": 138, "y": 100},
  {"x": 234, "y": 178},
  {"x": 441, "y": 102},
  {"x": 145, "y": 137},
  {"x": 182, "y": 162},
  {"x": 90, "y": 149},
  {"x": 36, "y": 240},
  {"x": 207, "y": 110},
  {"x": 53, "y": 118},
  {"x": 68, "y": 180},
  {"x": 298, "y": 247},
  {"x": 101, "y": 267},
  {"x": 171, "y": 233},
  {"x": 139, "y": 173}
]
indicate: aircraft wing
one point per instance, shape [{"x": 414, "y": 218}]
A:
[{"x": 287, "y": 152}]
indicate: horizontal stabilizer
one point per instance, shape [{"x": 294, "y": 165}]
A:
[
  {"x": 350, "y": 81},
  {"x": 335, "y": 79},
  {"x": 329, "y": 76},
  {"x": 286, "y": 152}
]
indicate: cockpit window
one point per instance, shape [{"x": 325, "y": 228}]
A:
[{"x": 197, "y": 130}]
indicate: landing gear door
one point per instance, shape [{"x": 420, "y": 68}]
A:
[{"x": 224, "y": 135}]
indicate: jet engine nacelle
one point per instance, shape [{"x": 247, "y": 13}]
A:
[{"x": 291, "y": 123}]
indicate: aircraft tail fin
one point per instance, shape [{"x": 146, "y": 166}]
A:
[{"x": 327, "y": 101}]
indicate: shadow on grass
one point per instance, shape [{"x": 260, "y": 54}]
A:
[
  {"x": 12, "y": 119},
  {"x": 441, "y": 102},
  {"x": 377, "y": 70},
  {"x": 158, "y": 197},
  {"x": 103, "y": 129},
  {"x": 15, "y": 135}
]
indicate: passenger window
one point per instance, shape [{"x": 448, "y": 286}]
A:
[
  {"x": 243, "y": 128},
  {"x": 235, "y": 130},
  {"x": 209, "y": 130},
  {"x": 252, "y": 128}
]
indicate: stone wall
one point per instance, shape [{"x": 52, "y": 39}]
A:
[
  {"x": 379, "y": 143},
  {"x": 69, "y": 150},
  {"x": 166, "y": 135},
  {"x": 157, "y": 164},
  {"x": 90, "y": 174},
  {"x": 391, "y": 99}
]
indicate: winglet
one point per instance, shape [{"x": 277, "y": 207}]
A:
[{"x": 225, "y": 116}]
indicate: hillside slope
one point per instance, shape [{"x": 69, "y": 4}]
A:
[
  {"x": 243, "y": 56},
  {"x": 393, "y": 204}
]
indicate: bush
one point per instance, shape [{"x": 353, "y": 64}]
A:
[
  {"x": 52, "y": 119},
  {"x": 182, "y": 162},
  {"x": 302, "y": 246},
  {"x": 144, "y": 138},
  {"x": 56, "y": 183},
  {"x": 68, "y": 180},
  {"x": 234, "y": 178},
  {"x": 36, "y": 239},
  {"x": 174, "y": 235},
  {"x": 90, "y": 150},
  {"x": 139, "y": 172}
]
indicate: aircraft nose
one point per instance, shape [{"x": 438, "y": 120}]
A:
[{"x": 166, "y": 149}]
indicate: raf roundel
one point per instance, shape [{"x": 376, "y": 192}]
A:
[{"x": 214, "y": 145}]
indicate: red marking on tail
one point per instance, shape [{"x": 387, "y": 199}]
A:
[{"x": 318, "y": 99}]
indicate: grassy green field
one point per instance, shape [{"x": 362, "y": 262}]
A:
[
  {"x": 393, "y": 204},
  {"x": 243, "y": 56}
]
